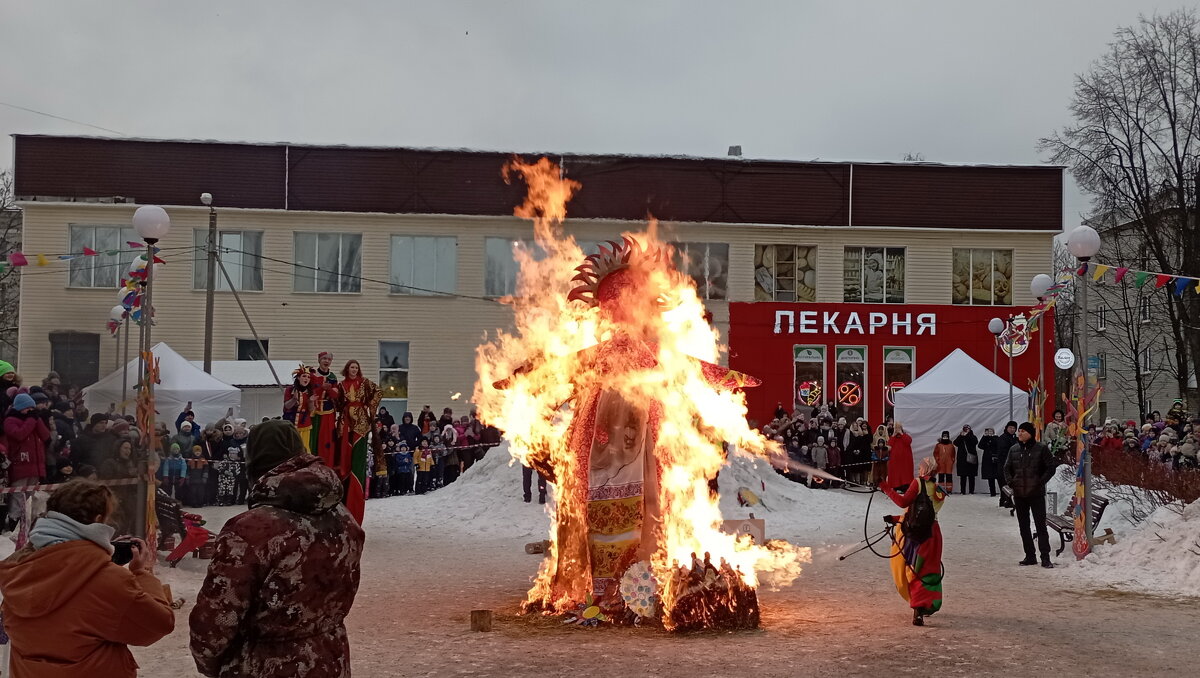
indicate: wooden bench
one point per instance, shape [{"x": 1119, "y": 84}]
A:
[{"x": 1064, "y": 524}]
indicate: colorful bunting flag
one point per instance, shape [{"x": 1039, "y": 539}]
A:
[
  {"x": 42, "y": 260},
  {"x": 1140, "y": 278},
  {"x": 134, "y": 243},
  {"x": 18, "y": 259},
  {"x": 1082, "y": 270},
  {"x": 1161, "y": 279},
  {"x": 1181, "y": 285},
  {"x": 1121, "y": 274},
  {"x": 89, "y": 252},
  {"x": 1101, "y": 269}
]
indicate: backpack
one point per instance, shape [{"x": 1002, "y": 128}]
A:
[{"x": 918, "y": 520}]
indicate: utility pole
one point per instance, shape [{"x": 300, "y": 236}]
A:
[{"x": 210, "y": 289}]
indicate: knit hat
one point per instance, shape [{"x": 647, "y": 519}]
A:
[
  {"x": 1010, "y": 424},
  {"x": 1028, "y": 428},
  {"x": 97, "y": 418},
  {"x": 185, "y": 426},
  {"x": 23, "y": 401},
  {"x": 40, "y": 397},
  {"x": 5, "y": 368},
  {"x": 174, "y": 447},
  {"x": 62, "y": 406},
  {"x": 271, "y": 443}
]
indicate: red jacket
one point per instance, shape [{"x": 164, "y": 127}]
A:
[
  {"x": 27, "y": 435},
  {"x": 900, "y": 463}
]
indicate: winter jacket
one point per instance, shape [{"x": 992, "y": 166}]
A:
[
  {"x": 92, "y": 448},
  {"x": 964, "y": 445},
  {"x": 820, "y": 455},
  {"x": 944, "y": 454},
  {"x": 282, "y": 580},
  {"x": 26, "y": 435},
  {"x": 900, "y": 463},
  {"x": 118, "y": 468},
  {"x": 65, "y": 428},
  {"x": 991, "y": 458},
  {"x": 409, "y": 432},
  {"x": 71, "y": 612},
  {"x": 1029, "y": 467},
  {"x": 401, "y": 461},
  {"x": 172, "y": 468},
  {"x": 1003, "y": 444}
]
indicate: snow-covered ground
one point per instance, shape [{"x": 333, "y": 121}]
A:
[{"x": 431, "y": 559}]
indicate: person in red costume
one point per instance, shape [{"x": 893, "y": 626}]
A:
[
  {"x": 900, "y": 463},
  {"x": 357, "y": 405},
  {"x": 324, "y": 389}
]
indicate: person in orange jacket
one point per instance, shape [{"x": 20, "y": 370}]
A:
[{"x": 68, "y": 608}]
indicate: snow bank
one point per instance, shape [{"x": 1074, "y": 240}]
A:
[{"x": 1161, "y": 556}]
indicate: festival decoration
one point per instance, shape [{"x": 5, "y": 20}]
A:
[
  {"x": 1082, "y": 401},
  {"x": 622, "y": 340},
  {"x": 1178, "y": 283},
  {"x": 849, "y": 393},
  {"x": 809, "y": 393}
]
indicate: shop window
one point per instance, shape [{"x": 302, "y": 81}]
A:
[
  {"x": 982, "y": 277},
  {"x": 423, "y": 265},
  {"x": 899, "y": 363},
  {"x": 809, "y": 387},
  {"x": 108, "y": 267},
  {"x": 393, "y": 376},
  {"x": 706, "y": 263},
  {"x": 240, "y": 251},
  {"x": 850, "y": 374},
  {"x": 785, "y": 273},
  {"x": 873, "y": 275},
  {"x": 76, "y": 357},
  {"x": 328, "y": 262},
  {"x": 248, "y": 349}
]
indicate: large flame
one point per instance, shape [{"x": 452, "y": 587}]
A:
[{"x": 549, "y": 359}]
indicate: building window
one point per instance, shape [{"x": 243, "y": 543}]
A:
[
  {"x": 1101, "y": 319},
  {"x": 1101, "y": 365},
  {"x": 706, "y": 263},
  {"x": 247, "y": 349},
  {"x": 809, "y": 390},
  {"x": 500, "y": 266},
  {"x": 873, "y": 275},
  {"x": 850, "y": 373},
  {"x": 328, "y": 262},
  {"x": 107, "y": 268},
  {"x": 393, "y": 376},
  {"x": 240, "y": 251},
  {"x": 1146, "y": 361},
  {"x": 76, "y": 358},
  {"x": 898, "y": 365},
  {"x": 982, "y": 277},
  {"x": 785, "y": 273},
  {"x": 423, "y": 265},
  {"x": 1144, "y": 309}
]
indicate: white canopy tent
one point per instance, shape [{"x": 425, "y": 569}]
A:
[
  {"x": 181, "y": 381},
  {"x": 957, "y": 391},
  {"x": 261, "y": 396}
]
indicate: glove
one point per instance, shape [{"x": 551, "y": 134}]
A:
[{"x": 891, "y": 520}]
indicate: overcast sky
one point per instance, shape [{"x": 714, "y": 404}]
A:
[{"x": 956, "y": 81}]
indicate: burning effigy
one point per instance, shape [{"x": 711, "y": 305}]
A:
[{"x": 609, "y": 386}]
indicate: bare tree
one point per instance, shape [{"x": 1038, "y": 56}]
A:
[
  {"x": 1134, "y": 149},
  {"x": 10, "y": 279},
  {"x": 914, "y": 157}
]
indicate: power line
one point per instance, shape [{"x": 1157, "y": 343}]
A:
[{"x": 59, "y": 117}]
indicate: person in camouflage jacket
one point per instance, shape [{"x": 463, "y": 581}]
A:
[{"x": 284, "y": 574}]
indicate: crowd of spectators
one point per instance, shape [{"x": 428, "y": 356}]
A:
[
  {"x": 423, "y": 454},
  {"x": 1168, "y": 440}
]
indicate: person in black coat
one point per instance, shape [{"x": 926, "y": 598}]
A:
[
  {"x": 991, "y": 460},
  {"x": 1029, "y": 466},
  {"x": 966, "y": 459},
  {"x": 1003, "y": 445},
  {"x": 409, "y": 432}
]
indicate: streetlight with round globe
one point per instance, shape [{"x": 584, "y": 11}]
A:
[
  {"x": 1038, "y": 286},
  {"x": 1084, "y": 243},
  {"x": 152, "y": 224}
]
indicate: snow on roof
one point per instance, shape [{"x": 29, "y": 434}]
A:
[{"x": 251, "y": 373}]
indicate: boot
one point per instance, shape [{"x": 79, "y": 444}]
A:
[
  {"x": 1029, "y": 560},
  {"x": 1046, "y": 563},
  {"x": 918, "y": 618}
]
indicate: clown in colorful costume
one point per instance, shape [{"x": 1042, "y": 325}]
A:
[
  {"x": 299, "y": 403},
  {"x": 323, "y": 438},
  {"x": 917, "y": 570},
  {"x": 616, "y": 463},
  {"x": 358, "y": 404}
]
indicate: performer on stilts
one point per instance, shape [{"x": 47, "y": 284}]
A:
[
  {"x": 323, "y": 437},
  {"x": 358, "y": 405},
  {"x": 299, "y": 403},
  {"x": 917, "y": 559}
]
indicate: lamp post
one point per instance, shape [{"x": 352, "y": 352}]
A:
[
  {"x": 211, "y": 245},
  {"x": 1084, "y": 243},
  {"x": 1038, "y": 287},
  {"x": 152, "y": 224},
  {"x": 997, "y": 327}
]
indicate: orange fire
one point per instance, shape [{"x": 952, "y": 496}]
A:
[{"x": 609, "y": 384}]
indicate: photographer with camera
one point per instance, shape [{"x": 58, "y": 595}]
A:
[{"x": 69, "y": 608}]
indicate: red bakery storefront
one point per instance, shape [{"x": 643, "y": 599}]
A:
[{"x": 859, "y": 355}]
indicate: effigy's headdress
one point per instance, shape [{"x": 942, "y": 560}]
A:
[{"x": 604, "y": 275}]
